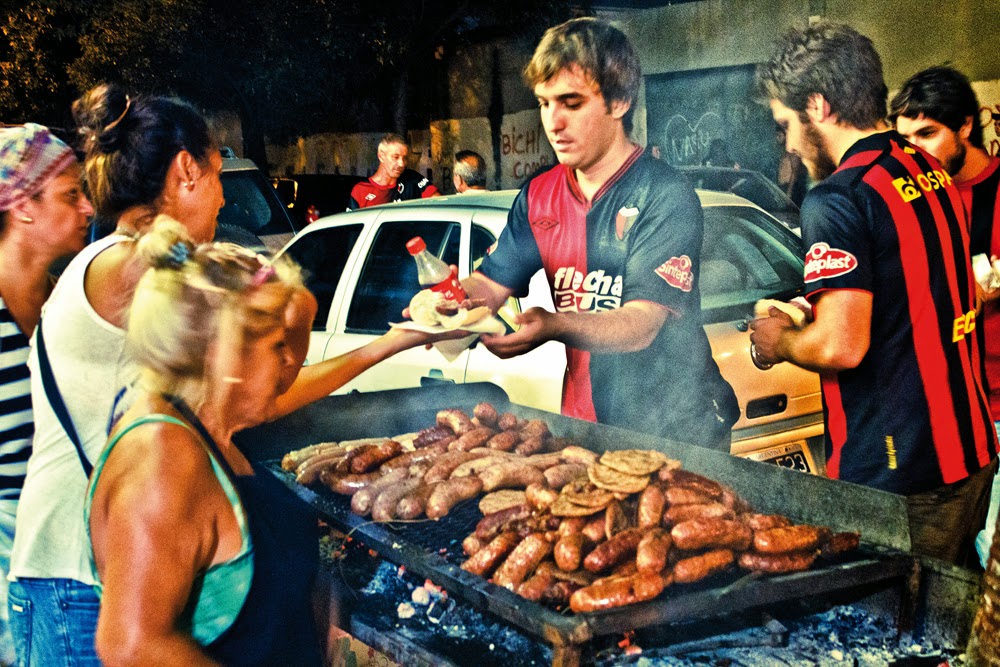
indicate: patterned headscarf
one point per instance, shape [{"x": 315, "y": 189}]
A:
[{"x": 30, "y": 157}]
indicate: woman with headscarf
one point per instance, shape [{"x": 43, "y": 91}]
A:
[{"x": 43, "y": 217}]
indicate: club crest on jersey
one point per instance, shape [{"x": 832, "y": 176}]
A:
[
  {"x": 677, "y": 272},
  {"x": 624, "y": 220},
  {"x": 545, "y": 224},
  {"x": 822, "y": 261},
  {"x": 399, "y": 188},
  {"x": 370, "y": 196}
]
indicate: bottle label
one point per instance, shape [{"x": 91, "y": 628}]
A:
[{"x": 451, "y": 289}]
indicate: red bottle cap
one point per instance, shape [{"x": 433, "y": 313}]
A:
[{"x": 416, "y": 245}]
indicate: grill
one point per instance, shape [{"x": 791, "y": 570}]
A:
[{"x": 432, "y": 549}]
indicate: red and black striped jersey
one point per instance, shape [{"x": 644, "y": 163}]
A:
[
  {"x": 913, "y": 415},
  {"x": 409, "y": 185},
  {"x": 981, "y": 196},
  {"x": 639, "y": 239}
]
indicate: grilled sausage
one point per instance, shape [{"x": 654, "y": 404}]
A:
[
  {"x": 651, "y": 554},
  {"x": 544, "y": 461},
  {"x": 711, "y": 533},
  {"x": 684, "y": 494},
  {"x": 413, "y": 504},
  {"x": 510, "y": 475},
  {"x": 445, "y": 464},
  {"x": 384, "y": 505},
  {"x": 431, "y": 435},
  {"x": 777, "y": 563},
  {"x": 700, "y": 483},
  {"x": 455, "y": 420},
  {"x": 593, "y": 530},
  {"x": 559, "y": 592},
  {"x": 572, "y": 524},
  {"x": 679, "y": 513},
  {"x": 492, "y": 525},
  {"x": 651, "y": 504},
  {"x": 475, "y": 466},
  {"x": 839, "y": 543},
  {"x": 578, "y": 454},
  {"x": 488, "y": 557},
  {"x": 522, "y": 561},
  {"x": 507, "y": 421},
  {"x": 292, "y": 460},
  {"x": 424, "y": 455},
  {"x": 308, "y": 471},
  {"x": 486, "y": 414},
  {"x": 375, "y": 456},
  {"x": 568, "y": 551},
  {"x": 786, "y": 539},
  {"x": 608, "y": 554},
  {"x": 733, "y": 501},
  {"x": 449, "y": 493},
  {"x": 535, "y": 586},
  {"x": 471, "y": 545},
  {"x": 695, "y": 568},
  {"x": 529, "y": 446},
  {"x": 616, "y": 592},
  {"x": 540, "y": 497},
  {"x": 535, "y": 428},
  {"x": 764, "y": 521},
  {"x": 361, "y": 502},
  {"x": 476, "y": 437},
  {"x": 347, "y": 484},
  {"x": 559, "y": 476},
  {"x": 504, "y": 441}
]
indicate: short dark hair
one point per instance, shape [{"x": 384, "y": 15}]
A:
[
  {"x": 471, "y": 167},
  {"x": 831, "y": 59},
  {"x": 602, "y": 51},
  {"x": 943, "y": 94},
  {"x": 130, "y": 143},
  {"x": 391, "y": 138}
]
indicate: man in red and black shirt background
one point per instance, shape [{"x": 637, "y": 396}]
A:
[
  {"x": 619, "y": 236},
  {"x": 937, "y": 110},
  {"x": 392, "y": 181},
  {"x": 889, "y": 276}
]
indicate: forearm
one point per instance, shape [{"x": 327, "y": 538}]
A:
[
  {"x": 170, "y": 651},
  {"x": 812, "y": 349},
  {"x": 621, "y": 330},
  {"x": 319, "y": 380}
]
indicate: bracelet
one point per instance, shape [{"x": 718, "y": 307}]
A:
[{"x": 756, "y": 362}]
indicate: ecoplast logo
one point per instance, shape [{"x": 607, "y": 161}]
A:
[{"x": 822, "y": 261}]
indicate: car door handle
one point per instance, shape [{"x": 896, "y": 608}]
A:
[
  {"x": 769, "y": 405},
  {"x": 435, "y": 377}
]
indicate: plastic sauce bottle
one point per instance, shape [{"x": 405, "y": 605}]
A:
[{"x": 433, "y": 273}]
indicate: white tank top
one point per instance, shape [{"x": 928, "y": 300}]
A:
[{"x": 88, "y": 360}]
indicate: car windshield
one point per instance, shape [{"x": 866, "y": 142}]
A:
[
  {"x": 252, "y": 204},
  {"x": 746, "y": 256},
  {"x": 748, "y": 184}
]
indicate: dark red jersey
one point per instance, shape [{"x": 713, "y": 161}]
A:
[
  {"x": 409, "y": 185},
  {"x": 913, "y": 415},
  {"x": 981, "y": 196},
  {"x": 639, "y": 239}
]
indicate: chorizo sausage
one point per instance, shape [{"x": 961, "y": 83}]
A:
[
  {"x": 507, "y": 421},
  {"x": 444, "y": 465},
  {"x": 361, "y": 502},
  {"x": 593, "y": 530},
  {"x": 529, "y": 446},
  {"x": 454, "y": 420},
  {"x": 786, "y": 539},
  {"x": 309, "y": 470},
  {"x": 417, "y": 456},
  {"x": 651, "y": 554},
  {"x": 504, "y": 441},
  {"x": 384, "y": 505},
  {"x": 476, "y": 437},
  {"x": 486, "y": 414},
  {"x": 544, "y": 461},
  {"x": 560, "y": 475},
  {"x": 488, "y": 557},
  {"x": 711, "y": 533},
  {"x": 510, "y": 475},
  {"x": 841, "y": 542},
  {"x": 572, "y": 524},
  {"x": 679, "y": 513},
  {"x": 413, "y": 504},
  {"x": 578, "y": 454},
  {"x": 764, "y": 521},
  {"x": 429, "y": 436},
  {"x": 292, "y": 460},
  {"x": 492, "y": 525},
  {"x": 475, "y": 466},
  {"x": 700, "y": 483},
  {"x": 684, "y": 494},
  {"x": 449, "y": 493},
  {"x": 616, "y": 592},
  {"x": 568, "y": 551},
  {"x": 346, "y": 484},
  {"x": 375, "y": 456},
  {"x": 608, "y": 554},
  {"x": 777, "y": 563},
  {"x": 695, "y": 568},
  {"x": 522, "y": 561},
  {"x": 471, "y": 545},
  {"x": 651, "y": 504},
  {"x": 535, "y": 586}
]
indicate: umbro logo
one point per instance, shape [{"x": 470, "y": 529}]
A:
[{"x": 545, "y": 223}]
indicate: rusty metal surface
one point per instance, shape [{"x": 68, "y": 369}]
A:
[{"x": 436, "y": 553}]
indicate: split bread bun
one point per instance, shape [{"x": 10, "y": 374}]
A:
[
  {"x": 431, "y": 308},
  {"x": 794, "y": 311}
]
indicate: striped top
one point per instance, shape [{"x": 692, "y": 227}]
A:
[
  {"x": 913, "y": 415},
  {"x": 16, "y": 423}
]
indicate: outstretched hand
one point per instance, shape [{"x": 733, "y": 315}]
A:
[{"x": 535, "y": 329}]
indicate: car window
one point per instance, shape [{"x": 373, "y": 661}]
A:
[
  {"x": 482, "y": 239},
  {"x": 746, "y": 256},
  {"x": 389, "y": 278},
  {"x": 323, "y": 255},
  {"x": 252, "y": 204}
]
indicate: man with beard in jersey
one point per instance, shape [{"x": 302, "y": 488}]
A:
[
  {"x": 937, "y": 110},
  {"x": 619, "y": 236},
  {"x": 889, "y": 277},
  {"x": 392, "y": 181}
]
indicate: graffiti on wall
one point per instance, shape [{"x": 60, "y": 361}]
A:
[
  {"x": 684, "y": 142},
  {"x": 988, "y": 93},
  {"x": 524, "y": 147}
]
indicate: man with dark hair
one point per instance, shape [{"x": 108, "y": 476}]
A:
[
  {"x": 889, "y": 277},
  {"x": 619, "y": 236},
  {"x": 469, "y": 172},
  {"x": 392, "y": 181},
  {"x": 937, "y": 110}
]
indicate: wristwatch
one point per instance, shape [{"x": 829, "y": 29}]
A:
[{"x": 757, "y": 362}]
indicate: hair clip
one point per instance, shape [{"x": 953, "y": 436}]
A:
[
  {"x": 178, "y": 253},
  {"x": 264, "y": 273}
]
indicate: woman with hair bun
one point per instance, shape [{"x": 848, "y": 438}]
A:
[
  {"x": 43, "y": 217},
  {"x": 199, "y": 555},
  {"x": 145, "y": 156}
]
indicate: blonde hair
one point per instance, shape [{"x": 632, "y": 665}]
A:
[{"x": 195, "y": 296}]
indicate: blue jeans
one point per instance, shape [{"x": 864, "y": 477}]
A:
[
  {"x": 53, "y": 622},
  {"x": 985, "y": 537},
  {"x": 8, "y": 509}
]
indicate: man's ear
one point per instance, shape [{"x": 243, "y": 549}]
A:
[
  {"x": 619, "y": 108},
  {"x": 965, "y": 131},
  {"x": 817, "y": 108}
]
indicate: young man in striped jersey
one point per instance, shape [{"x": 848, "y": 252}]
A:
[
  {"x": 937, "y": 110},
  {"x": 889, "y": 277}
]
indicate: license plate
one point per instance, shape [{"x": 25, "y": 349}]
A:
[{"x": 794, "y": 455}]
